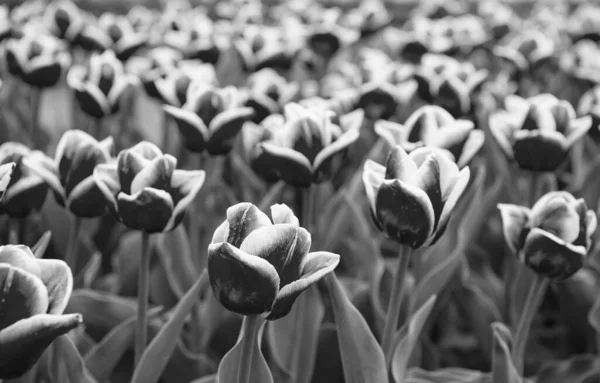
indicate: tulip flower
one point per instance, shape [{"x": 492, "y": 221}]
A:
[
  {"x": 194, "y": 44},
  {"x": 64, "y": 19},
  {"x": 26, "y": 191},
  {"x": 100, "y": 87},
  {"x": 5, "y": 174},
  {"x": 210, "y": 119},
  {"x": 580, "y": 62},
  {"x": 174, "y": 88},
  {"x": 305, "y": 146},
  {"x": 268, "y": 93},
  {"x": 412, "y": 197},
  {"x": 259, "y": 267},
  {"x": 527, "y": 51},
  {"x": 537, "y": 133},
  {"x": 70, "y": 173},
  {"x": 143, "y": 189},
  {"x": 589, "y": 105},
  {"x": 38, "y": 59},
  {"x": 553, "y": 237},
  {"x": 125, "y": 40},
  {"x": 432, "y": 126},
  {"x": 154, "y": 68},
  {"x": 34, "y": 295}
]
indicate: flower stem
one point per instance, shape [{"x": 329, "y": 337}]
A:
[
  {"x": 308, "y": 207},
  {"x": 395, "y": 303},
  {"x": 250, "y": 328},
  {"x": 13, "y": 231},
  {"x": 143, "y": 292},
  {"x": 71, "y": 254},
  {"x": 537, "y": 289},
  {"x": 35, "y": 110},
  {"x": 166, "y": 142}
]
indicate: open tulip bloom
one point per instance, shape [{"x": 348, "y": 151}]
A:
[
  {"x": 538, "y": 132},
  {"x": 433, "y": 126},
  {"x": 259, "y": 267},
  {"x": 33, "y": 297},
  {"x": 412, "y": 197},
  {"x": 70, "y": 173},
  {"x": 553, "y": 237},
  {"x": 143, "y": 189}
]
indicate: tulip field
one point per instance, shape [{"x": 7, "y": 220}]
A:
[{"x": 299, "y": 191}]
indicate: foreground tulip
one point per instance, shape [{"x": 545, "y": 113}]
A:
[
  {"x": 553, "y": 237},
  {"x": 145, "y": 191},
  {"x": 70, "y": 173},
  {"x": 537, "y": 133},
  {"x": 210, "y": 119},
  {"x": 433, "y": 126},
  {"x": 412, "y": 197},
  {"x": 5, "y": 174},
  {"x": 259, "y": 267},
  {"x": 34, "y": 295},
  {"x": 305, "y": 146},
  {"x": 26, "y": 191}
]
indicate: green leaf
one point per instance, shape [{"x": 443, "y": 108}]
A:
[
  {"x": 87, "y": 275},
  {"x": 259, "y": 371},
  {"x": 40, "y": 247},
  {"x": 294, "y": 338},
  {"x": 503, "y": 369},
  {"x": 157, "y": 354},
  {"x": 102, "y": 311},
  {"x": 206, "y": 379},
  {"x": 362, "y": 357},
  {"x": 175, "y": 256},
  {"x": 577, "y": 369},
  {"x": 407, "y": 339},
  {"x": 445, "y": 375},
  {"x": 66, "y": 353}
]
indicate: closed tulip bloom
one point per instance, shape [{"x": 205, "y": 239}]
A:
[
  {"x": 64, "y": 19},
  {"x": 210, "y": 119},
  {"x": 153, "y": 68},
  {"x": 5, "y": 174},
  {"x": 258, "y": 266},
  {"x": 553, "y": 237},
  {"x": 380, "y": 100},
  {"x": 26, "y": 191},
  {"x": 433, "y": 126},
  {"x": 70, "y": 173},
  {"x": 537, "y": 133},
  {"x": 38, "y": 59},
  {"x": 176, "y": 86},
  {"x": 527, "y": 51},
  {"x": 306, "y": 147},
  {"x": 126, "y": 41},
  {"x": 268, "y": 93},
  {"x": 145, "y": 191},
  {"x": 412, "y": 197},
  {"x": 99, "y": 87},
  {"x": 33, "y": 297}
]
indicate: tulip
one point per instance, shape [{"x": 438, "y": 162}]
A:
[
  {"x": 412, "y": 197},
  {"x": 34, "y": 295},
  {"x": 553, "y": 237},
  {"x": 305, "y": 146},
  {"x": 175, "y": 87},
  {"x": 589, "y": 105},
  {"x": 194, "y": 44},
  {"x": 537, "y": 133},
  {"x": 100, "y": 87},
  {"x": 527, "y": 51},
  {"x": 70, "y": 173},
  {"x": 143, "y": 189},
  {"x": 210, "y": 119},
  {"x": 268, "y": 93},
  {"x": 5, "y": 174},
  {"x": 432, "y": 126},
  {"x": 154, "y": 68},
  {"x": 580, "y": 63},
  {"x": 26, "y": 191},
  {"x": 125, "y": 40},
  {"x": 379, "y": 100},
  {"x": 259, "y": 267},
  {"x": 64, "y": 19}
]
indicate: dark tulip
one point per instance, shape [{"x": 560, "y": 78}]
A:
[
  {"x": 144, "y": 190},
  {"x": 70, "y": 174},
  {"x": 527, "y": 51},
  {"x": 379, "y": 100},
  {"x": 153, "y": 68},
  {"x": 5, "y": 174},
  {"x": 174, "y": 88},
  {"x": 259, "y": 267},
  {"x": 100, "y": 87},
  {"x": 33, "y": 297},
  {"x": 268, "y": 93},
  {"x": 433, "y": 126},
  {"x": 64, "y": 19},
  {"x": 553, "y": 237},
  {"x": 325, "y": 43},
  {"x": 537, "y": 133},
  {"x": 125, "y": 40},
  {"x": 210, "y": 119},
  {"x": 26, "y": 191},
  {"x": 412, "y": 197}
]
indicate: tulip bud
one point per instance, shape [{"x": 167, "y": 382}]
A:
[
  {"x": 256, "y": 266},
  {"x": 553, "y": 237},
  {"x": 144, "y": 190},
  {"x": 34, "y": 295},
  {"x": 412, "y": 197}
]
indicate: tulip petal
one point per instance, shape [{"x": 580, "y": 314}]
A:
[
  {"x": 502, "y": 129},
  {"x": 24, "y": 196},
  {"x": 557, "y": 215},
  {"x": 22, "y": 295},
  {"x": 324, "y": 164},
  {"x": 284, "y": 246},
  {"x": 243, "y": 218},
  {"x": 281, "y": 213},
  {"x": 86, "y": 199},
  {"x": 224, "y": 129},
  {"x": 514, "y": 221},
  {"x": 129, "y": 163},
  {"x": 5, "y": 175},
  {"x": 539, "y": 151},
  {"x": 22, "y": 343},
  {"x": 45, "y": 168},
  {"x": 399, "y": 165},
  {"x": 404, "y": 212},
  {"x": 428, "y": 179},
  {"x": 92, "y": 101},
  {"x": 289, "y": 165},
  {"x": 373, "y": 176},
  {"x": 242, "y": 283},
  {"x": 314, "y": 267},
  {"x": 471, "y": 147},
  {"x": 42, "y": 74},
  {"x": 149, "y": 210},
  {"x": 577, "y": 129},
  {"x": 58, "y": 279},
  {"x": 551, "y": 257},
  {"x": 106, "y": 177},
  {"x": 185, "y": 185},
  {"x": 192, "y": 128},
  {"x": 21, "y": 257},
  {"x": 392, "y": 132},
  {"x": 147, "y": 150},
  {"x": 157, "y": 174}
]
